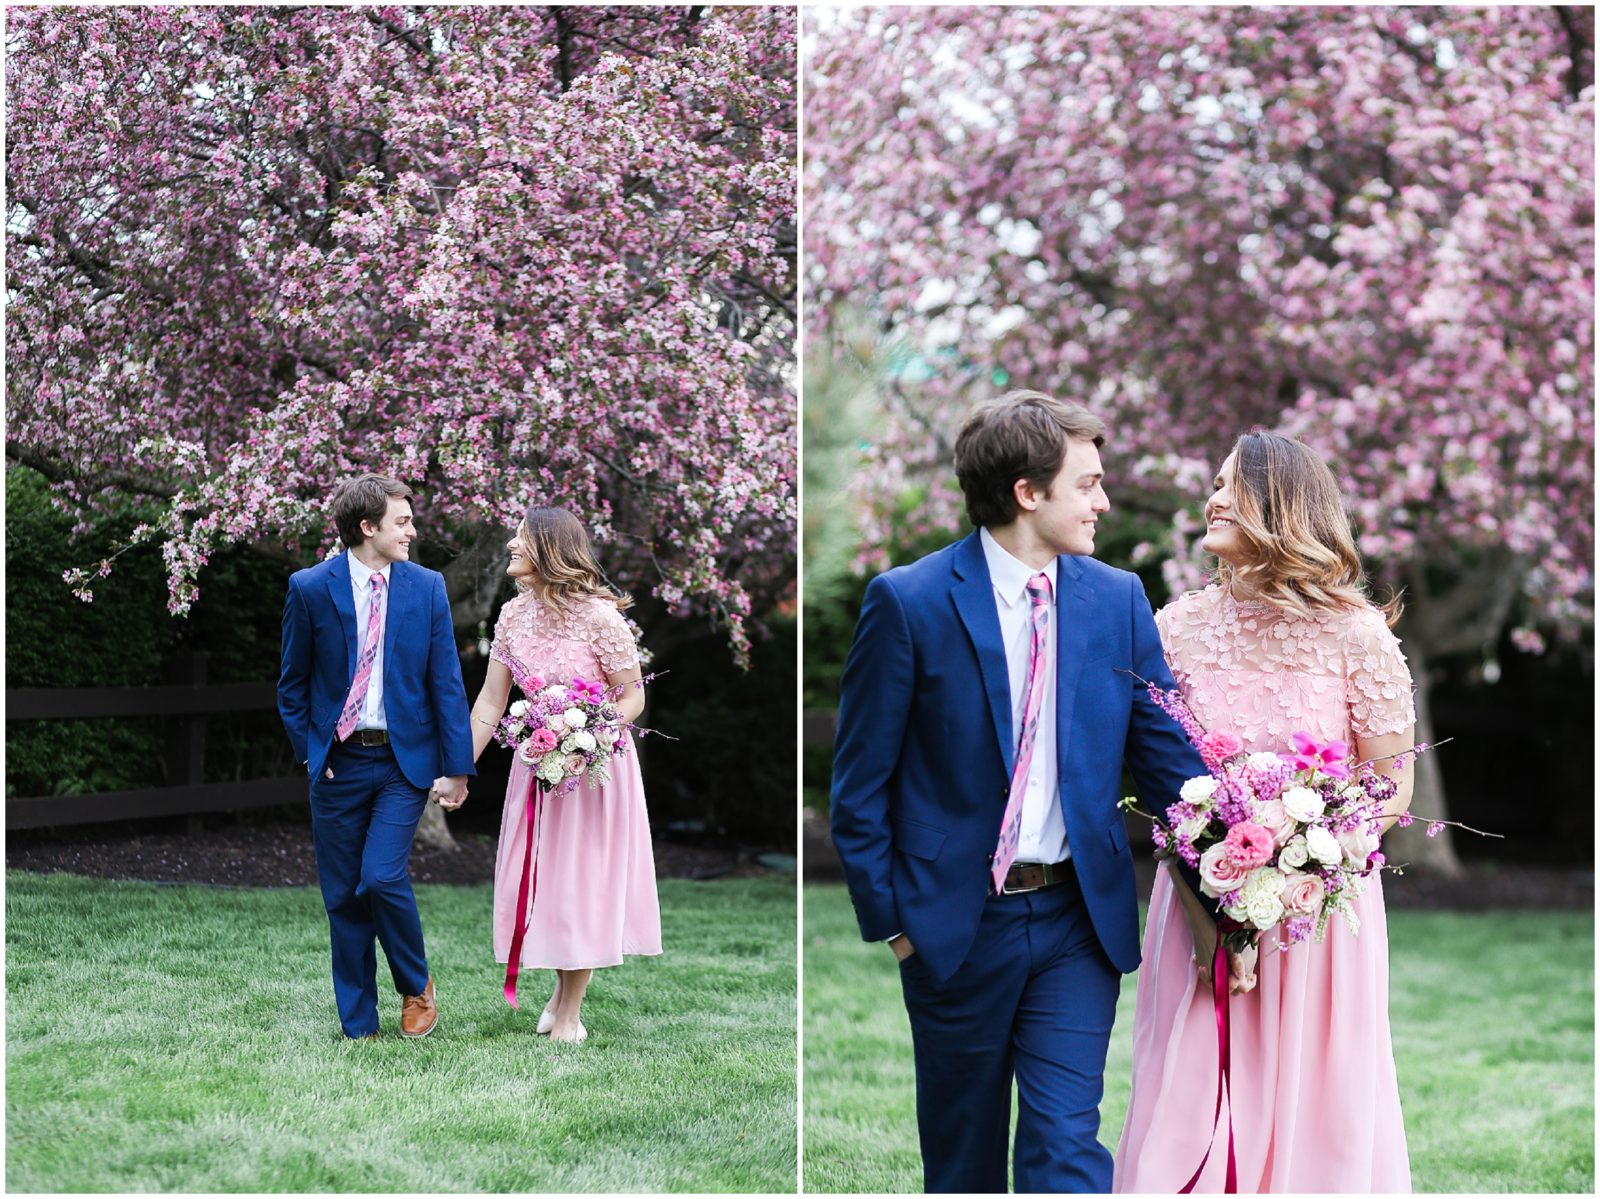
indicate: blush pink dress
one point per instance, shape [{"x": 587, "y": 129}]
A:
[
  {"x": 595, "y": 894},
  {"x": 1316, "y": 1103}
]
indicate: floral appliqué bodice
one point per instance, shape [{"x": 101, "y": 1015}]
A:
[
  {"x": 589, "y": 641},
  {"x": 1262, "y": 674}
]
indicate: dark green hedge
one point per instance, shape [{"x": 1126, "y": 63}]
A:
[{"x": 125, "y": 638}]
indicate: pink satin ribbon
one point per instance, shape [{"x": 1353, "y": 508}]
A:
[
  {"x": 528, "y": 888},
  {"x": 1219, "y": 1002}
]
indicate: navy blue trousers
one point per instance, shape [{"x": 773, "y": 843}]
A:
[
  {"x": 1033, "y": 1001},
  {"x": 362, "y": 822}
]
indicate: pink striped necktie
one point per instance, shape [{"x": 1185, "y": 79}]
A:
[
  {"x": 1011, "y": 825},
  {"x": 369, "y": 653}
]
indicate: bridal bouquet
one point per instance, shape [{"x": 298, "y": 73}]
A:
[
  {"x": 564, "y": 731},
  {"x": 1284, "y": 838}
]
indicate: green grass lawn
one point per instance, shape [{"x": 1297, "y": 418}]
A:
[
  {"x": 1493, "y": 1024},
  {"x": 163, "y": 1038}
]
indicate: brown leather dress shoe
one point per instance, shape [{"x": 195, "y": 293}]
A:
[{"x": 418, "y": 1013}]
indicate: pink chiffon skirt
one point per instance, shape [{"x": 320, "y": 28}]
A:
[
  {"x": 595, "y": 888},
  {"x": 1316, "y": 1103}
]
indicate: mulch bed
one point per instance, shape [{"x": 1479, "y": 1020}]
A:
[
  {"x": 244, "y": 852},
  {"x": 1484, "y": 886}
]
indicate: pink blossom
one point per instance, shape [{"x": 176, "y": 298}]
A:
[
  {"x": 1249, "y": 845},
  {"x": 1216, "y": 748},
  {"x": 572, "y": 765},
  {"x": 543, "y": 741}
]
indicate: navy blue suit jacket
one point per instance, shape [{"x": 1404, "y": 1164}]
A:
[
  {"x": 923, "y": 755},
  {"x": 424, "y": 699}
]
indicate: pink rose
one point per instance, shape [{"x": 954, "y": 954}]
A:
[
  {"x": 1358, "y": 844},
  {"x": 535, "y": 683},
  {"x": 1303, "y": 894},
  {"x": 1269, "y": 814},
  {"x": 542, "y": 741},
  {"x": 1219, "y": 873},
  {"x": 1249, "y": 845},
  {"x": 1217, "y": 748},
  {"x": 572, "y": 765}
]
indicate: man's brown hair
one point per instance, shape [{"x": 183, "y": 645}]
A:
[
  {"x": 366, "y": 497},
  {"x": 1021, "y": 435}
]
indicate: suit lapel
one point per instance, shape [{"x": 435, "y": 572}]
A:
[
  {"x": 1074, "y": 610},
  {"x": 344, "y": 603},
  {"x": 973, "y": 594}
]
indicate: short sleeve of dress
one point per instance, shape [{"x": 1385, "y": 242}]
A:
[
  {"x": 1379, "y": 680},
  {"x": 500, "y": 646},
  {"x": 614, "y": 646}
]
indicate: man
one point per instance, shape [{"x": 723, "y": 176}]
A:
[
  {"x": 372, "y": 699},
  {"x": 984, "y": 719}
]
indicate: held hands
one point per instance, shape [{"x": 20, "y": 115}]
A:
[
  {"x": 1241, "y": 969},
  {"x": 450, "y": 792}
]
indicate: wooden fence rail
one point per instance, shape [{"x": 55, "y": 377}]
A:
[{"x": 186, "y": 700}]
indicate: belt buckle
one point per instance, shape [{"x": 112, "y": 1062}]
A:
[{"x": 1006, "y": 889}]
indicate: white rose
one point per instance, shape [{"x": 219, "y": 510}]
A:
[
  {"x": 1263, "y": 911},
  {"x": 584, "y": 741},
  {"x": 575, "y": 719},
  {"x": 1263, "y": 880},
  {"x": 519, "y": 709},
  {"x": 568, "y": 745},
  {"x": 1322, "y": 847},
  {"x": 556, "y": 723},
  {"x": 1198, "y": 791},
  {"x": 1263, "y": 761},
  {"x": 1259, "y": 896},
  {"x": 1194, "y": 826},
  {"x": 1304, "y": 804},
  {"x": 1293, "y": 855},
  {"x": 554, "y": 689}
]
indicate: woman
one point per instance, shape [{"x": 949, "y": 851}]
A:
[
  {"x": 1284, "y": 639},
  {"x": 595, "y": 894}
]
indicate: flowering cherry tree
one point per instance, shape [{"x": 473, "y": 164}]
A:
[
  {"x": 505, "y": 254},
  {"x": 1371, "y": 228}
]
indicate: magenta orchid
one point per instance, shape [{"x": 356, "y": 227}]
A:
[
  {"x": 1327, "y": 758},
  {"x": 585, "y": 689}
]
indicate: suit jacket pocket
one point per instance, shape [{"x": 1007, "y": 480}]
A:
[
  {"x": 918, "y": 840},
  {"x": 425, "y": 714}
]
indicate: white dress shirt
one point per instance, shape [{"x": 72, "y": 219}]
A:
[
  {"x": 372, "y": 715},
  {"x": 1043, "y": 837}
]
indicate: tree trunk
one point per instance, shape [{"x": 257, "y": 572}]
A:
[
  {"x": 1412, "y": 846},
  {"x": 432, "y": 830}
]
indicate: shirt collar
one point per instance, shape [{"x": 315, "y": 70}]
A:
[
  {"x": 1010, "y": 574},
  {"x": 362, "y": 574}
]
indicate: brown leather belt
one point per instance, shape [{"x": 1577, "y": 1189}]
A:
[
  {"x": 1035, "y": 876},
  {"x": 369, "y": 737}
]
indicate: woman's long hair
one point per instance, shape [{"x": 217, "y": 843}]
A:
[
  {"x": 1287, "y": 510},
  {"x": 564, "y": 567}
]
